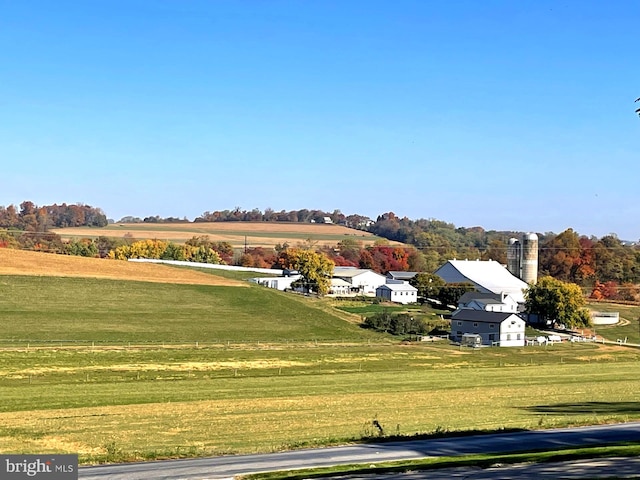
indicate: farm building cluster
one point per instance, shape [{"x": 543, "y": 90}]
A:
[{"x": 490, "y": 315}]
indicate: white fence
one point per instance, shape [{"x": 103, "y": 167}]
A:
[{"x": 273, "y": 271}]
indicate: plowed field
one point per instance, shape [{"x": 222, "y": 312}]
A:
[{"x": 238, "y": 234}]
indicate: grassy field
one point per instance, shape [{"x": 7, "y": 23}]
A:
[
  {"x": 628, "y": 327},
  {"x": 130, "y": 370},
  {"x": 132, "y": 404},
  {"x": 253, "y": 234}
]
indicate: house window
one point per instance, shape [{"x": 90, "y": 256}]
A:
[
  {"x": 492, "y": 337},
  {"x": 492, "y": 326},
  {"x": 508, "y": 337},
  {"x": 459, "y": 324},
  {"x": 475, "y": 324},
  {"x": 518, "y": 337}
]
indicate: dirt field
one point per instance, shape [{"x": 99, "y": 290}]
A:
[
  {"x": 18, "y": 262},
  {"x": 256, "y": 234}
]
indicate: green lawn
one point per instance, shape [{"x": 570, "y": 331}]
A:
[{"x": 44, "y": 309}]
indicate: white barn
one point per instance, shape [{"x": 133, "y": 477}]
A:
[{"x": 486, "y": 276}]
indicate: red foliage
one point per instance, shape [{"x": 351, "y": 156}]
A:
[
  {"x": 605, "y": 291},
  {"x": 383, "y": 259},
  {"x": 258, "y": 257}
]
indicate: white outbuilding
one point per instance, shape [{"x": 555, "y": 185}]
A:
[{"x": 398, "y": 292}]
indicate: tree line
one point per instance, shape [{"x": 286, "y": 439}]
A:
[
  {"x": 31, "y": 218},
  {"x": 607, "y": 268}
]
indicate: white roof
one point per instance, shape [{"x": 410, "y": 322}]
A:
[
  {"x": 350, "y": 272},
  {"x": 399, "y": 287},
  {"x": 338, "y": 282},
  {"x": 488, "y": 275}
]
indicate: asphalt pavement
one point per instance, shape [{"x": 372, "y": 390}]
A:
[{"x": 229, "y": 466}]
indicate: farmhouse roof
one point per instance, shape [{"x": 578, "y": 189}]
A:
[
  {"x": 482, "y": 316},
  {"x": 489, "y": 276},
  {"x": 399, "y": 287},
  {"x": 479, "y": 296}
]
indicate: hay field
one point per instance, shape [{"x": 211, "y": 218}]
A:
[
  {"x": 19, "y": 262},
  {"x": 256, "y": 234},
  {"x": 100, "y": 404}
]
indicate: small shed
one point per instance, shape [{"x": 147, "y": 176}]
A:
[{"x": 471, "y": 340}]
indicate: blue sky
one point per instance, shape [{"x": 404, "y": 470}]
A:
[{"x": 510, "y": 115}]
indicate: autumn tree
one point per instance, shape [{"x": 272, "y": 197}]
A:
[
  {"x": 428, "y": 284},
  {"x": 223, "y": 249},
  {"x": 496, "y": 250},
  {"x": 316, "y": 269},
  {"x": 84, "y": 247},
  {"x": 558, "y": 302},
  {"x": 158, "y": 249},
  {"x": 559, "y": 256},
  {"x": 257, "y": 257}
]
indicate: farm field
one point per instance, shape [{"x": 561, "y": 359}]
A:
[
  {"x": 255, "y": 234},
  {"x": 19, "y": 262},
  {"x": 123, "y": 370},
  {"x": 122, "y": 404}
]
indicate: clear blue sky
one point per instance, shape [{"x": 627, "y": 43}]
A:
[{"x": 510, "y": 115}]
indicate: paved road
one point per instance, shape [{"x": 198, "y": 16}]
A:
[
  {"x": 600, "y": 468},
  {"x": 228, "y": 466}
]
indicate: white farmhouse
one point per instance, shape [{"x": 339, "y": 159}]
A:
[{"x": 489, "y": 302}]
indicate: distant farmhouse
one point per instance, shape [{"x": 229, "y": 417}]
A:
[
  {"x": 489, "y": 302},
  {"x": 489, "y": 328}
]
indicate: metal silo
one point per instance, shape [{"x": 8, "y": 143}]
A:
[
  {"x": 530, "y": 258},
  {"x": 513, "y": 256}
]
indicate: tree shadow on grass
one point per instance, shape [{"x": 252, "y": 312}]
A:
[{"x": 612, "y": 408}]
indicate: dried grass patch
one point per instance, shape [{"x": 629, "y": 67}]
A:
[
  {"x": 159, "y": 367},
  {"x": 19, "y": 262}
]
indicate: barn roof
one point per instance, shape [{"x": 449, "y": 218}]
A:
[
  {"x": 487, "y": 276},
  {"x": 482, "y": 316}
]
